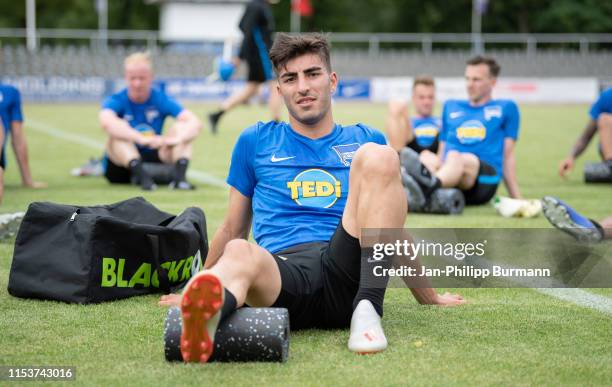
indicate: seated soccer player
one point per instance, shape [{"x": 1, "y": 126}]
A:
[
  {"x": 307, "y": 188},
  {"x": 12, "y": 121},
  {"x": 568, "y": 220},
  {"x": 419, "y": 132},
  {"x": 477, "y": 141},
  {"x": 134, "y": 119},
  {"x": 600, "y": 122}
]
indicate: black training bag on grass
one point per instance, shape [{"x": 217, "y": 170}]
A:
[{"x": 102, "y": 253}]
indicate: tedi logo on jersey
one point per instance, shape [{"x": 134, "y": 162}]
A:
[
  {"x": 346, "y": 152},
  {"x": 145, "y": 129},
  {"x": 315, "y": 188},
  {"x": 471, "y": 132}
]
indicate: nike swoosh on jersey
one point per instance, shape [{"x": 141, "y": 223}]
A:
[
  {"x": 455, "y": 114},
  {"x": 275, "y": 159}
]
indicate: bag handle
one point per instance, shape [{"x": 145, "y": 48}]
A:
[{"x": 162, "y": 274}]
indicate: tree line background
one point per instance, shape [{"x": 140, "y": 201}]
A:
[{"x": 525, "y": 16}]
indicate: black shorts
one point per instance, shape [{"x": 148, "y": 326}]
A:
[
  {"x": 2, "y": 159},
  {"x": 116, "y": 174},
  {"x": 482, "y": 191},
  {"x": 259, "y": 71},
  {"x": 418, "y": 148},
  {"x": 319, "y": 281}
]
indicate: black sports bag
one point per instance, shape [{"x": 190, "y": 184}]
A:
[{"x": 101, "y": 253}]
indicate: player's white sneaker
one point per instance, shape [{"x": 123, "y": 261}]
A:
[{"x": 367, "y": 335}]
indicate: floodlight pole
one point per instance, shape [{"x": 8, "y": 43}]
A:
[
  {"x": 31, "y": 25},
  {"x": 295, "y": 17},
  {"x": 102, "y": 8},
  {"x": 477, "y": 46}
]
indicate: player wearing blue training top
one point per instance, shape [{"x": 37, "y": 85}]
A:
[
  {"x": 291, "y": 181},
  {"x": 477, "y": 140},
  {"x": 419, "y": 132},
  {"x": 12, "y": 122},
  {"x": 134, "y": 119},
  {"x": 600, "y": 122}
]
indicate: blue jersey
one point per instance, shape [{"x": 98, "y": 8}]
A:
[
  {"x": 10, "y": 107},
  {"x": 602, "y": 105},
  {"x": 148, "y": 117},
  {"x": 480, "y": 130},
  {"x": 426, "y": 130},
  {"x": 298, "y": 185}
]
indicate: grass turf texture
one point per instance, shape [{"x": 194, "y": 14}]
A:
[{"x": 504, "y": 336}]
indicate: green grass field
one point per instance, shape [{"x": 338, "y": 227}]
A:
[{"x": 502, "y": 337}]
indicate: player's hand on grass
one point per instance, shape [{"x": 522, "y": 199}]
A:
[
  {"x": 448, "y": 299},
  {"x": 170, "y": 300},
  {"x": 35, "y": 185},
  {"x": 566, "y": 166}
]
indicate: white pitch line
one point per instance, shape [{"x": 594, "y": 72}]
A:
[
  {"x": 573, "y": 295},
  {"x": 580, "y": 297},
  {"x": 194, "y": 174}
]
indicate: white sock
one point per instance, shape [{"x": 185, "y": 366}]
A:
[{"x": 367, "y": 335}]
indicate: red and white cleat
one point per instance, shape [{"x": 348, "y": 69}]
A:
[{"x": 201, "y": 311}]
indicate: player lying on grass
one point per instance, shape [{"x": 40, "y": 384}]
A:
[
  {"x": 600, "y": 122},
  {"x": 476, "y": 142},
  {"x": 290, "y": 182},
  {"x": 134, "y": 119},
  {"x": 419, "y": 132},
  {"x": 566, "y": 219}
]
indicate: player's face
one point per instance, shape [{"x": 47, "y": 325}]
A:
[
  {"x": 306, "y": 86},
  {"x": 139, "y": 77},
  {"x": 479, "y": 83},
  {"x": 423, "y": 99}
]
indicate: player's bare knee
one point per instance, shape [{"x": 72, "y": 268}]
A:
[
  {"x": 470, "y": 161},
  {"x": 377, "y": 161},
  {"x": 397, "y": 108},
  {"x": 604, "y": 121},
  {"x": 240, "y": 251},
  {"x": 454, "y": 158}
]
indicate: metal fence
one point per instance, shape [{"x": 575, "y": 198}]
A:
[{"x": 531, "y": 43}]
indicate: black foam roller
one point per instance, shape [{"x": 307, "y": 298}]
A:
[
  {"x": 597, "y": 173},
  {"x": 247, "y": 335},
  {"x": 160, "y": 172},
  {"x": 446, "y": 201}
]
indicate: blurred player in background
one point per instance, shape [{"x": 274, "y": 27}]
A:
[
  {"x": 134, "y": 119},
  {"x": 477, "y": 141},
  {"x": 600, "y": 122},
  {"x": 12, "y": 121},
  {"x": 257, "y": 25},
  {"x": 421, "y": 131}
]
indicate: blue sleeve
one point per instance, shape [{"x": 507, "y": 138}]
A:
[
  {"x": 600, "y": 105},
  {"x": 170, "y": 107},
  {"x": 512, "y": 121},
  {"x": 378, "y": 137},
  {"x": 242, "y": 172},
  {"x": 15, "y": 109},
  {"x": 443, "y": 124},
  {"x": 113, "y": 103}
]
